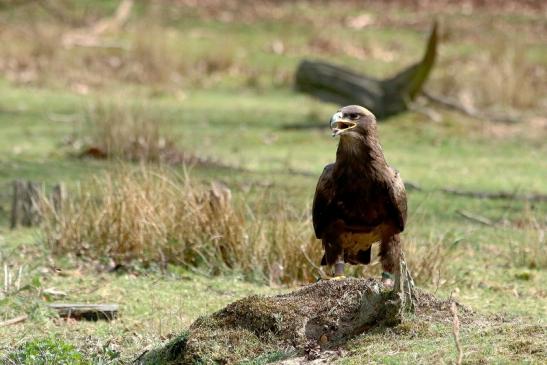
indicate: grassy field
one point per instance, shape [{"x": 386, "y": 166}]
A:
[{"x": 217, "y": 82}]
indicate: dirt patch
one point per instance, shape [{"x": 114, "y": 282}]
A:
[{"x": 311, "y": 323}]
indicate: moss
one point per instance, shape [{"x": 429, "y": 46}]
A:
[
  {"x": 168, "y": 354},
  {"x": 414, "y": 327},
  {"x": 526, "y": 347},
  {"x": 256, "y": 328},
  {"x": 260, "y": 315}
]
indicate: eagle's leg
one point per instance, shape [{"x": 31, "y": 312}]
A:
[
  {"x": 339, "y": 268},
  {"x": 390, "y": 254},
  {"x": 339, "y": 262},
  {"x": 334, "y": 257}
]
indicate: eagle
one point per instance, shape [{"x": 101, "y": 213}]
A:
[{"x": 359, "y": 199}]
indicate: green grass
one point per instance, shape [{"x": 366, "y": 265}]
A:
[
  {"x": 425, "y": 343},
  {"x": 484, "y": 268},
  {"x": 244, "y": 118},
  {"x": 48, "y": 351}
]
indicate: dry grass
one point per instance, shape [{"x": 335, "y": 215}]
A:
[
  {"x": 428, "y": 259},
  {"x": 158, "y": 217},
  {"x": 121, "y": 131},
  {"x": 497, "y": 72},
  {"x": 145, "y": 53},
  {"x": 127, "y": 132},
  {"x": 501, "y": 76},
  {"x": 531, "y": 253}
]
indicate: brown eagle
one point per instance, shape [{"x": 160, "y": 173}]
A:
[{"x": 359, "y": 199}]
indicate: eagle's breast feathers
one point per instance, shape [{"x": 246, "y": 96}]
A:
[{"x": 360, "y": 215}]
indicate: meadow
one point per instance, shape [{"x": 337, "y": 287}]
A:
[{"x": 209, "y": 160}]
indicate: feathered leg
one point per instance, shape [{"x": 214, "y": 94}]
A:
[
  {"x": 334, "y": 256},
  {"x": 393, "y": 263},
  {"x": 390, "y": 254}
]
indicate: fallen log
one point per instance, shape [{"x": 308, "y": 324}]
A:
[
  {"x": 383, "y": 97},
  {"x": 90, "y": 312}
]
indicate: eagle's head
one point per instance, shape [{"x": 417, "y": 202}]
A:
[{"x": 352, "y": 120}]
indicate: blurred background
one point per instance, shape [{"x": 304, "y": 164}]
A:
[{"x": 166, "y": 147}]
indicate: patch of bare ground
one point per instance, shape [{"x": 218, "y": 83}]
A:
[{"x": 311, "y": 323}]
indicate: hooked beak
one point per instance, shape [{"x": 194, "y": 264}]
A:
[{"x": 340, "y": 125}]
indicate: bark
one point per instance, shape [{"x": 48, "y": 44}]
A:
[
  {"x": 91, "y": 312},
  {"x": 25, "y": 208},
  {"x": 383, "y": 97}
]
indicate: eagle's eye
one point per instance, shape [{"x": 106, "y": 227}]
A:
[{"x": 353, "y": 115}]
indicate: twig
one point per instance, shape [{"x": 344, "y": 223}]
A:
[
  {"x": 310, "y": 261},
  {"x": 454, "y": 105},
  {"x": 475, "y": 218},
  {"x": 7, "y": 279},
  {"x": 90, "y": 36},
  {"x": 54, "y": 292},
  {"x": 496, "y": 195},
  {"x": 456, "y": 332},
  {"x": 13, "y": 321},
  {"x": 427, "y": 112}
]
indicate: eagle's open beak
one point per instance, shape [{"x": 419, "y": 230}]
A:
[{"x": 339, "y": 124}]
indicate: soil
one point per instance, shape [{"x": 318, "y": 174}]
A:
[{"x": 310, "y": 323}]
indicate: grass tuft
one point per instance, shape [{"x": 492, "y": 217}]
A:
[
  {"x": 500, "y": 77},
  {"x": 123, "y": 132},
  {"x": 151, "y": 216},
  {"x": 428, "y": 259}
]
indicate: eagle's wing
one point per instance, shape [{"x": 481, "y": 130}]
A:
[
  {"x": 324, "y": 193},
  {"x": 397, "y": 200}
]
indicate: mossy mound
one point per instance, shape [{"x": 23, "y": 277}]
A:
[{"x": 320, "y": 316}]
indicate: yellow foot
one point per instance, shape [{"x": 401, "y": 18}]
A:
[
  {"x": 387, "y": 280},
  {"x": 388, "y": 283},
  {"x": 325, "y": 277}
]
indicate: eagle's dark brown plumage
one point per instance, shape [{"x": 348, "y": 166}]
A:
[{"x": 359, "y": 199}]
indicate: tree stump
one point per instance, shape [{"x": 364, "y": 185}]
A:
[
  {"x": 382, "y": 97},
  {"x": 320, "y": 316},
  {"x": 17, "y": 203},
  {"x": 28, "y": 202}
]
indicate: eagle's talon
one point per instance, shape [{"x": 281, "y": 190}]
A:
[
  {"x": 388, "y": 283},
  {"x": 388, "y": 280}
]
